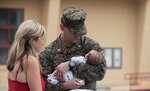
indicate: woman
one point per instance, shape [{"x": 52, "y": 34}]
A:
[{"x": 22, "y": 63}]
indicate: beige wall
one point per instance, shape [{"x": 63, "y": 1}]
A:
[{"x": 113, "y": 23}]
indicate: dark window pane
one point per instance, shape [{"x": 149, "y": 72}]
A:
[
  {"x": 9, "y": 21},
  {"x": 3, "y": 55},
  {"x": 3, "y": 17},
  {"x": 3, "y": 36},
  {"x": 16, "y": 17},
  {"x": 12, "y": 35}
]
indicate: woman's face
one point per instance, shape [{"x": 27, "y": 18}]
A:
[{"x": 39, "y": 44}]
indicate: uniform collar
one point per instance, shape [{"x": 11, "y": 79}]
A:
[{"x": 61, "y": 48}]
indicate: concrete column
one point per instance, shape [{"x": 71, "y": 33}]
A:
[
  {"x": 53, "y": 20},
  {"x": 144, "y": 64}
]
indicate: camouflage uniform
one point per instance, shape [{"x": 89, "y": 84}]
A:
[{"x": 57, "y": 53}]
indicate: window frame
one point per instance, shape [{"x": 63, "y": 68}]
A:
[
  {"x": 9, "y": 28},
  {"x": 111, "y": 60}
]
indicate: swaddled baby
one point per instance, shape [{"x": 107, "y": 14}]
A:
[{"x": 92, "y": 57}]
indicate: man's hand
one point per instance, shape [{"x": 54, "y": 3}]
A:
[
  {"x": 61, "y": 69},
  {"x": 74, "y": 83}
]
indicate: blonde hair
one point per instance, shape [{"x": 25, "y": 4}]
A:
[{"x": 27, "y": 32}]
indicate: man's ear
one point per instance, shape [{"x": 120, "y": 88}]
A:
[{"x": 62, "y": 27}]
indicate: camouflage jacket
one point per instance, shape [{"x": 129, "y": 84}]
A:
[{"x": 57, "y": 53}]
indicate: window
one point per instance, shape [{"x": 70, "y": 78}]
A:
[
  {"x": 9, "y": 21},
  {"x": 113, "y": 57}
]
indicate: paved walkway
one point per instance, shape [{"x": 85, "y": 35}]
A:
[
  {"x": 3, "y": 89},
  {"x": 99, "y": 89}
]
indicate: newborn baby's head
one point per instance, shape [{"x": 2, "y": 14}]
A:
[{"x": 93, "y": 57}]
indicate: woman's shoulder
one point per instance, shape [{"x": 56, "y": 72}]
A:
[
  {"x": 31, "y": 58},
  {"x": 30, "y": 61}
]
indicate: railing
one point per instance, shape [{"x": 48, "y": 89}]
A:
[{"x": 135, "y": 80}]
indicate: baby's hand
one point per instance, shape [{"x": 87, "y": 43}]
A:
[
  {"x": 81, "y": 81},
  {"x": 52, "y": 79}
]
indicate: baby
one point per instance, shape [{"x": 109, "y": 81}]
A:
[{"x": 92, "y": 57}]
